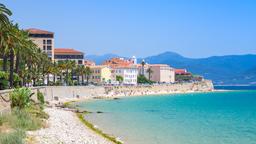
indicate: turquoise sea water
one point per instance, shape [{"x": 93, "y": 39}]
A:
[{"x": 202, "y": 118}]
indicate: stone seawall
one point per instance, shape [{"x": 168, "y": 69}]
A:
[
  {"x": 203, "y": 86},
  {"x": 66, "y": 93},
  {"x": 69, "y": 92}
]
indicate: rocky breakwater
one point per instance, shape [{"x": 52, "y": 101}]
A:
[{"x": 202, "y": 86}]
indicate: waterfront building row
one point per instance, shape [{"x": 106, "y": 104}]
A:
[{"x": 110, "y": 71}]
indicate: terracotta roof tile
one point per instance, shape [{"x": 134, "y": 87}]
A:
[
  {"x": 66, "y": 51},
  {"x": 118, "y": 62},
  {"x": 38, "y": 31},
  {"x": 180, "y": 71}
]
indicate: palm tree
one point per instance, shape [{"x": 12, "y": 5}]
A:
[
  {"x": 69, "y": 76},
  {"x": 25, "y": 58},
  {"x": 80, "y": 70},
  {"x": 149, "y": 71},
  {"x": 12, "y": 43},
  {"x": 56, "y": 71},
  {"x": 120, "y": 79},
  {"x": 87, "y": 73},
  {"x": 62, "y": 67},
  {"x": 66, "y": 66},
  {"x": 142, "y": 67},
  {"x": 5, "y": 35},
  {"x": 4, "y": 21},
  {"x": 4, "y": 13}
]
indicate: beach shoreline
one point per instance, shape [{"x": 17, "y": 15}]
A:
[{"x": 112, "y": 93}]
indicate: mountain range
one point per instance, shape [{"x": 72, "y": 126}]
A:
[{"x": 222, "y": 70}]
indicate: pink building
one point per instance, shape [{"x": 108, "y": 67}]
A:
[{"x": 162, "y": 73}]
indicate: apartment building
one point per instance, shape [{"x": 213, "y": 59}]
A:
[
  {"x": 129, "y": 74},
  {"x": 101, "y": 74},
  {"x": 61, "y": 54},
  {"x": 44, "y": 40}
]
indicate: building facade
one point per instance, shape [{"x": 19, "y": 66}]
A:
[
  {"x": 100, "y": 74},
  {"x": 44, "y": 40},
  {"x": 129, "y": 75},
  {"x": 162, "y": 73},
  {"x": 89, "y": 63},
  {"x": 61, "y": 54}
]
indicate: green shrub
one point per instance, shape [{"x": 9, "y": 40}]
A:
[
  {"x": 143, "y": 80},
  {"x": 20, "y": 98},
  {"x": 13, "y": 137},
  {"x": 40, "y": 97},
  {"x": 76, "y": 83},
  {"x": 58, "y": 83},
  {"x": 3, "y": 80},
  {"x": 16, "y": 80}
]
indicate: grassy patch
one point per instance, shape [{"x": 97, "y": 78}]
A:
[
  {"x": 15, "y": 137},
  {"x": 98, "y": 131},
  {"x": 1, "y": 120},
  {"x": 19, "y": 121},
  {"x": 37, "y": 112},
  {"x": 69, "y": 104}
]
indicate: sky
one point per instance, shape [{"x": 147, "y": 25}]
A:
[{"x": 192, "y": 28}]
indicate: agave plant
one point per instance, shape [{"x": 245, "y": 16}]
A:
[{"x": 21, "y": 98}]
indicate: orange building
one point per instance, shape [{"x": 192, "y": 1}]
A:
[
  {"x": 89, "y": 63},
  {"x": 118, "y": 62}
]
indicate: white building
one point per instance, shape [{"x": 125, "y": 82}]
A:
[
  {"x": 129, "y": 75},
  {"x": 134, "y": 60}
]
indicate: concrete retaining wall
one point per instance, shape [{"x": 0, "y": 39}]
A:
[
  {"x": 73, "y": 92},
  {"x": 69, "y": 92}
]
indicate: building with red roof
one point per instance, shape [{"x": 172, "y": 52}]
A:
[
  {"x": 61, "y": 54},
  {"x": 89, "y": 63},
  {"x": 118, "y": 62},
  {"x": 43, "y": 39},
  {"x": 181, "y": 71}
]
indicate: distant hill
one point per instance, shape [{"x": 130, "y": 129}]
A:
[{"x": 230, "y": 69}]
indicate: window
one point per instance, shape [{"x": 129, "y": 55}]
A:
[
  {"x": 44, "y": 41},
  {"x": 49, "y": 41},
  {"x": 44, "y": 47},
  {"x": 49, "y": 47},
  {"x": 41, "y": 35},
  {"x": 80, "y": 62}
]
